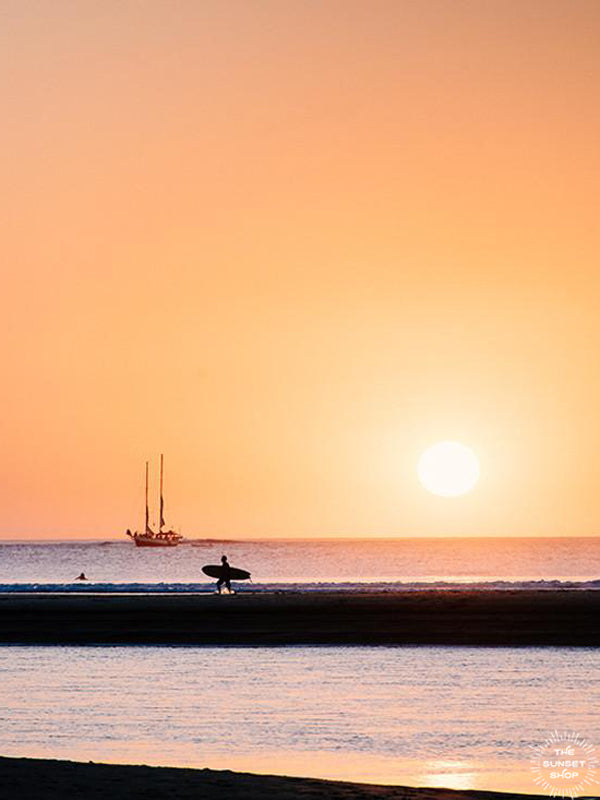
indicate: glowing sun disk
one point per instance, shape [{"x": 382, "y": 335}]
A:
[{"x": 448, "y": 469}]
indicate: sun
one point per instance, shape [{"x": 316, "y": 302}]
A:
[{"x": 448, "y": 469}]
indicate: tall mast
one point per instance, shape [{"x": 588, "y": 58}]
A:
[
  {"x": 161, "y": 521},
  {"x": 147, "y": 515}
]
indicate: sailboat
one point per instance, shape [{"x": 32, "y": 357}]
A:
[{"x": 160, "y": 538}]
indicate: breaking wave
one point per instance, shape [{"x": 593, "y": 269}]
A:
[{"x": 208, "y": 587}]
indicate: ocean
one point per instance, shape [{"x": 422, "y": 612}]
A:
[
  {"x": 308, "y": 565},
  {"x": 459, "y": 717}
]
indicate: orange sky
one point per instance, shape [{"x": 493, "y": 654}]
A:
[{"x": 291, "y": 244}]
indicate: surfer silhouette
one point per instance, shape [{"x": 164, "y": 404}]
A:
[
  {"x": 81, "y": 577},
  {"x": 225, "y": 576}
]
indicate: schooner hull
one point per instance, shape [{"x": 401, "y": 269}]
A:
[{"x": 139, "y": 542}]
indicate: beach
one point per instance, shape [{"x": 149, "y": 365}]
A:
[
  {"x": 431, "y": 616},
  {"x": 29, "y": 779}
]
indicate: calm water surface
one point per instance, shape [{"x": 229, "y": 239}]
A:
[
  {"x": 437, "y": 716},
  {"x": 358, "y": 561}
]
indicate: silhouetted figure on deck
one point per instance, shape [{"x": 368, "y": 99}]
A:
[
  {"x": 81, "y": 577},
  {"x": 225, "y": 575}
]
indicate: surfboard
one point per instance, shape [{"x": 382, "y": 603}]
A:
[{"x": 216, "y": 570}]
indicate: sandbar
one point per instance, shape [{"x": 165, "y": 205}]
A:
[{"x": 429, "y": 617}]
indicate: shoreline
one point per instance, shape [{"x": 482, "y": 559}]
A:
[
  {"x": 536, "y": 617},
  {"x": 31, "y": 778}
]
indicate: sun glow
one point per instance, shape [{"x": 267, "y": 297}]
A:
[{"x": 448, "y": 469}]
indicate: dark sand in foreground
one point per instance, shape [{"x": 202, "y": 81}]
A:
[
  {"x": 33, "y": 779},
  {"x": 451, "y": 617}
]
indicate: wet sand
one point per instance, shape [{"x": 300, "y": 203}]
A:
[
  {"x": 31, "y": 779},
  {"x": 452, "y": 617}
]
